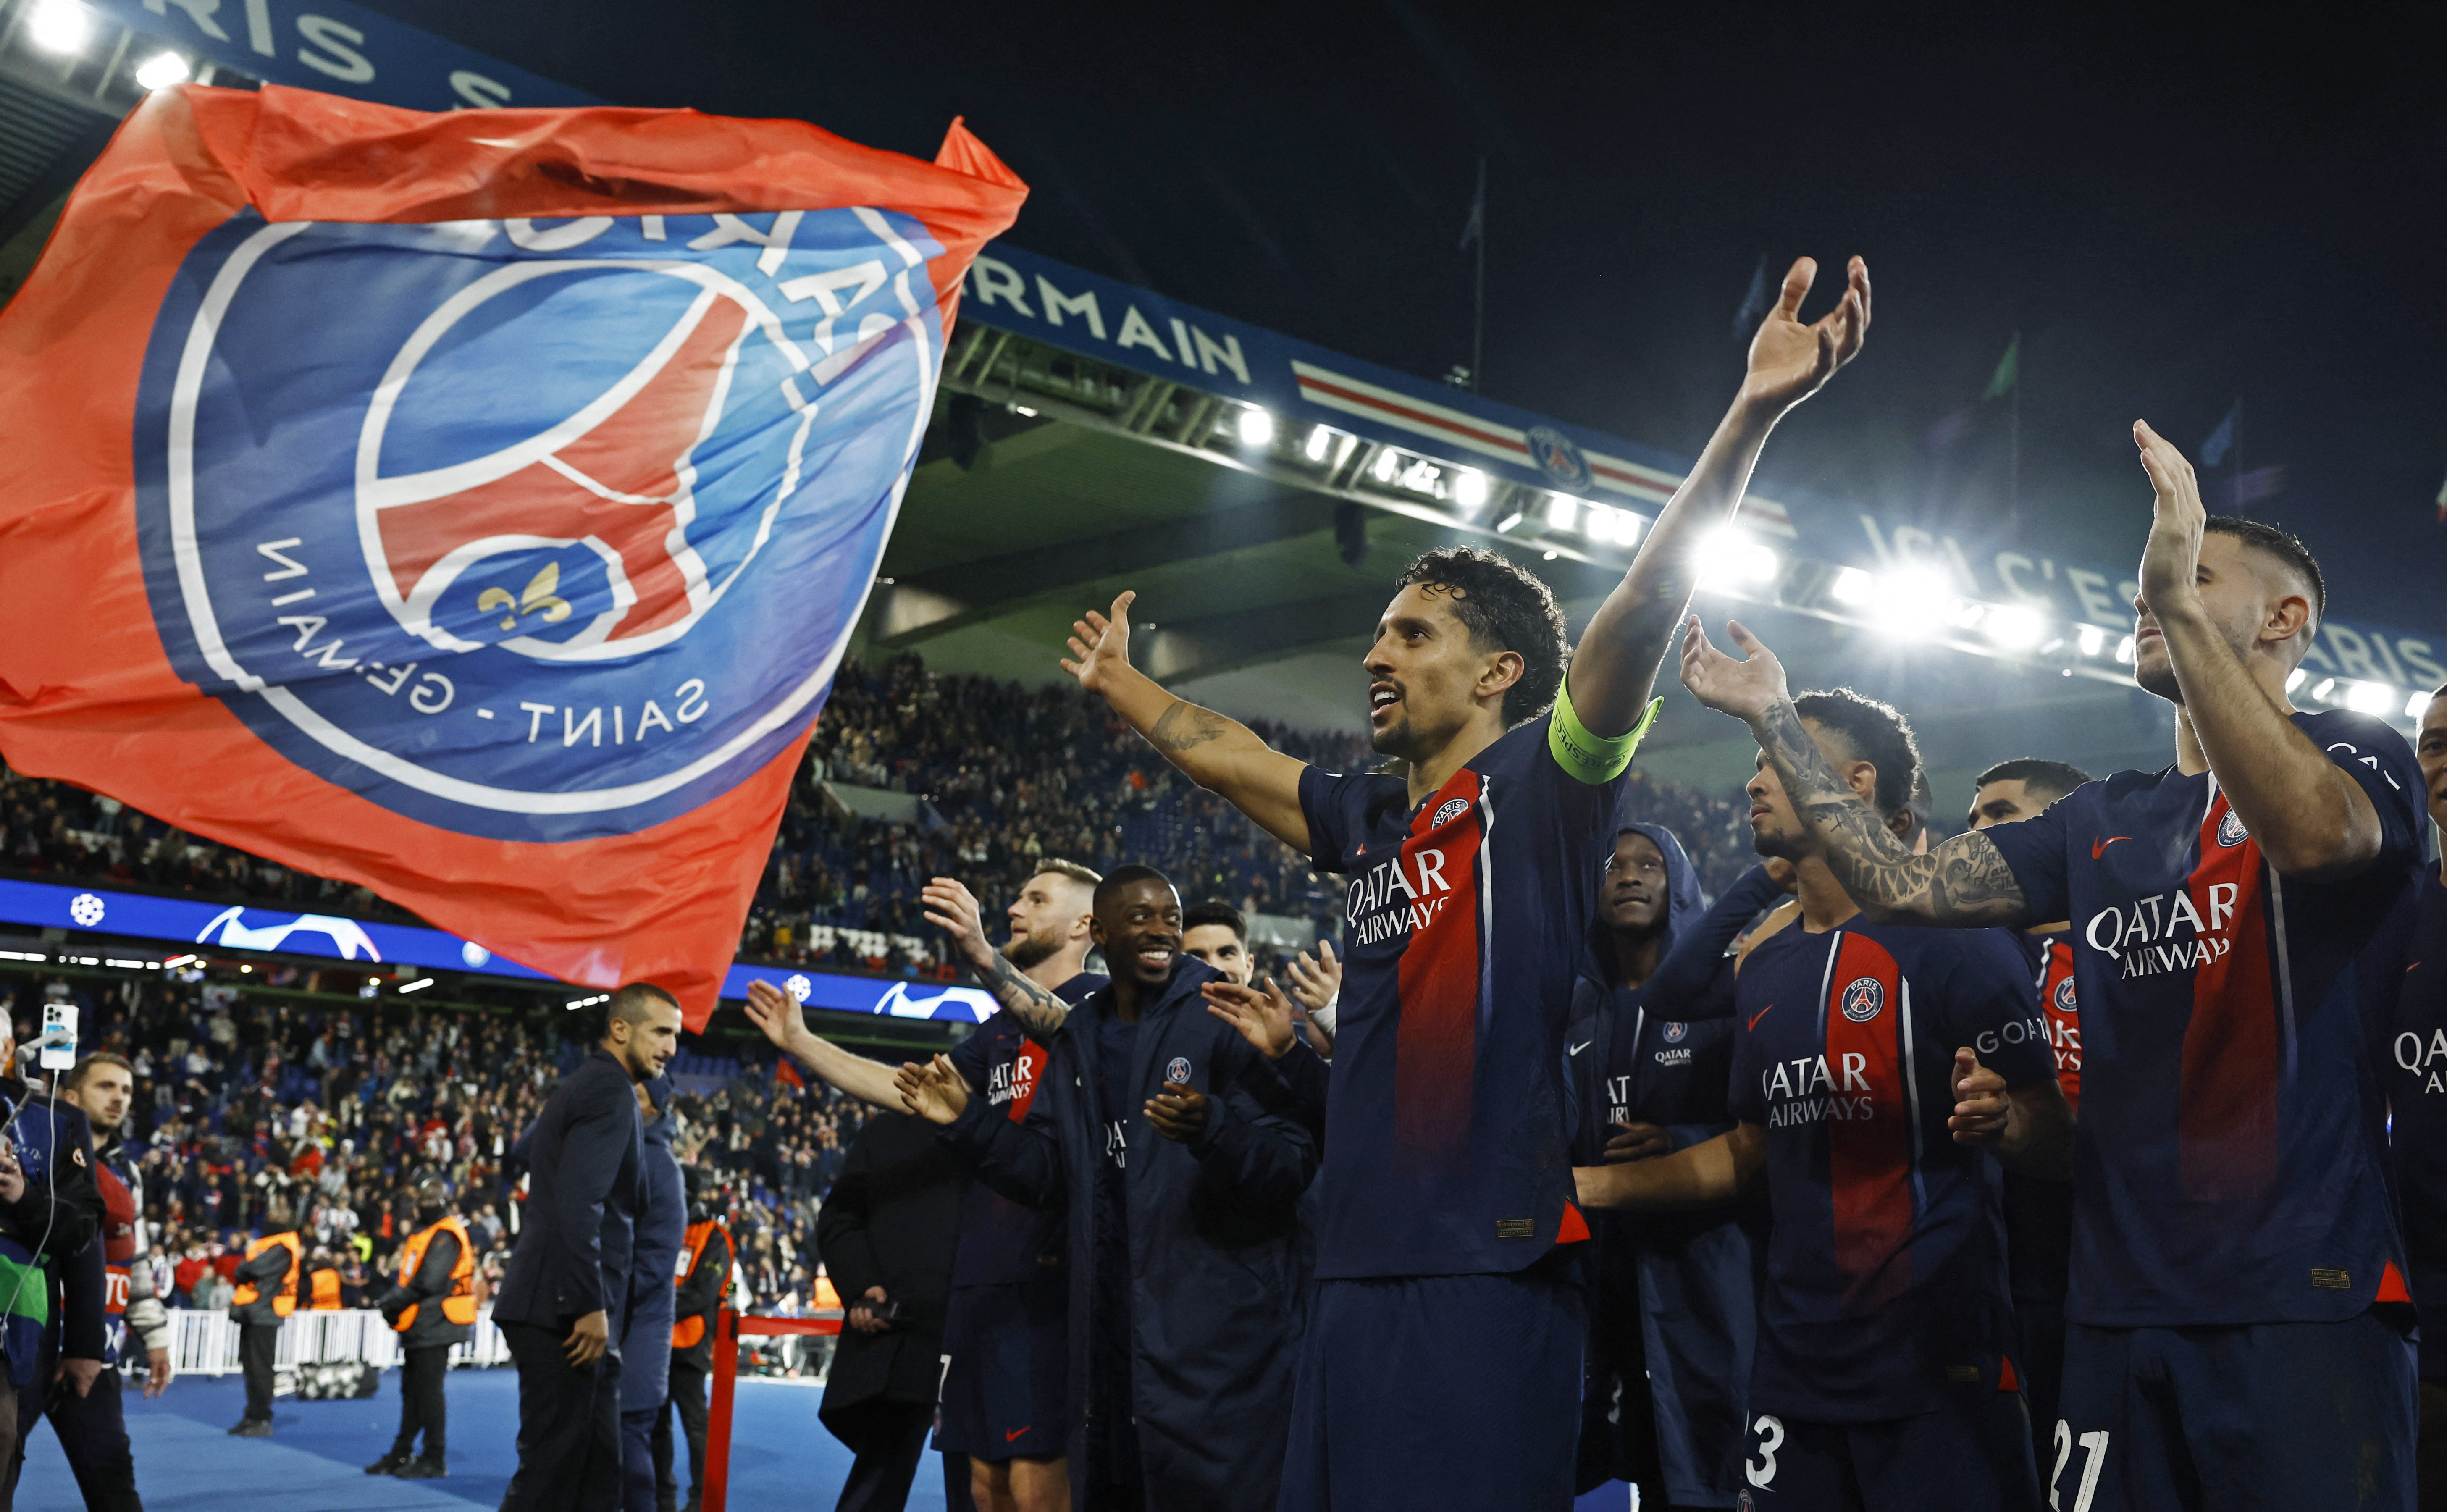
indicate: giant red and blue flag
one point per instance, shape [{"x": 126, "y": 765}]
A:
[{"x": 476, "y": 505}]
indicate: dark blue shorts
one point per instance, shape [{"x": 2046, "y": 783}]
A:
[
  {"x": 2255, "y": 1416},
  {"x": 1974, "y": 1455},
  {"x": 1008, "y": 1363},
  {"x": 1437, "y": 1391}
]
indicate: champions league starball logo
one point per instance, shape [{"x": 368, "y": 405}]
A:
[
  {"x": 530, "y": 530},
  {"x": 1863, "y": 999}
]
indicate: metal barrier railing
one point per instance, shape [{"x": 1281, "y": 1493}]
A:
[{"x": 206, "y": 1343}]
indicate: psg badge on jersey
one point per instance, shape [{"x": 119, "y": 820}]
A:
[{"x": 473, "y": 505}]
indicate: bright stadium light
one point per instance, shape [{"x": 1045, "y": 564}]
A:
[
  {"x": 1562, "y": 511},
  {"x": 2414, "y": 706},
  {"x": 2013, "y": 626},
  {"x": 1913, "y": 601},
  {"x": 2370, "y": 698},
  {"x": 60, "y": 26},
  {"x": 2124, "y": 652},
  {"x": 1257, "y": 427},
  {"x": 2328, "y": 686},
  {"x": 417, "y": 985},
  {"x": 2296, "y": 679},
  {"x": 1470, "y": 487},
  {"x": 1505, "y": 525},
  {"x": 1852, "y": 586},
  {"x": 162, "y": 70},
  {"x": 1598, "y": 522},
  {"x": 2093, "y": 640},
  {"x": 1319, "y": 440},
  {"x": 1729, "y": 559},
  {"x": 1389, "y": 462}
]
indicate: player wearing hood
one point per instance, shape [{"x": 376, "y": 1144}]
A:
[{"x": 1671, "y": 1315}]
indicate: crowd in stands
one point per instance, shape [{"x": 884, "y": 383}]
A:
[
  {"x": 1002, "y": 775},
  {"x": 257, "y": 1111}
]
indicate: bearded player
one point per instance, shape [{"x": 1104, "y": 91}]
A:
[
  {"x": 2236, "y": 1312},
  {"x": 1446, "y": 1190}
]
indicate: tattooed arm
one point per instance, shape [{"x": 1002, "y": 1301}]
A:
[
  {"x": 1033, "y": 1006},
  {"x": 1962, "y": 881},
  {"x": 1216, "y": 753}
]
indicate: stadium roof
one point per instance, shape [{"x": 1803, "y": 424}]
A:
[{"x": 1261, "y": 495}]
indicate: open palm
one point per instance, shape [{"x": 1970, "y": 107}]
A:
[
  {"x": 1742, "y": 688},
  {"x": 1790, "y": 361},
  {"x": 1100, "y": 644}
]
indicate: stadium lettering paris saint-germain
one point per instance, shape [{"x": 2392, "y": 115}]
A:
[{"x": 531, "y": 530}]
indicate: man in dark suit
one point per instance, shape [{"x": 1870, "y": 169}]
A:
[
  {"x": 887, "y": 1233},
  {"x": 569, "y": 1279}
]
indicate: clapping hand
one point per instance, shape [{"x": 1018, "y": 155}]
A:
[
  {"x": 951, "y": 908},
  {"x": 934, "y": 1091},
  {"x": 1261, "y": 1013},
  {"x": 1178, "y": 1112},
  {"x": 1317, "y": 980}
]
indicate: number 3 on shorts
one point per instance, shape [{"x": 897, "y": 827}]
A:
[
  {"x": 1771, "y": 1432},
  {"x": 2094, "y": 1459}
]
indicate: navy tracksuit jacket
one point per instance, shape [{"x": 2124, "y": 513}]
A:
[
  {"x": 1218, "y": 1256},
  {"x": 1672, "y": 1294}
]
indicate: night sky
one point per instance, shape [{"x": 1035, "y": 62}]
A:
[{"x": 2173, "y": 213}]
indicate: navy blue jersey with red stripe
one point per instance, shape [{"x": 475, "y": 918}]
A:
[
  {"x": 1002, "y": 1240},
  {"x": 1465, "y": 923},
  {"x": 2417, "y": 1095},
  {"x": 2229, "y": 1162},
  {"x": 1886, "y": 1271},
  {"x": 2038, "y": 1212}
]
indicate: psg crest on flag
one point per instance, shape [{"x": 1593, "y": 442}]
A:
[
  {"x": 524, "y": 528},
  {"x": 474, "y": 507}
]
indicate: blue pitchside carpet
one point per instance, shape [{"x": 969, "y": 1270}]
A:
[{"x": 315, "y": 1461}]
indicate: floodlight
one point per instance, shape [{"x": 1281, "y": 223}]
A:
[
  {"x": 1469, "y": 487},
  {"x": 1562, "y": 511},
  {"x": 2296, "y": 679},
  {"x": 1257, "y": 427},
  {"x": 1729, "y": 559},
  {"x": 2013, "y": 626},
  {"x": 1505, "y": 525},
  {"x": 2124, "y": 652},
  {"x": 1319, "y": 441},
  {"x": 162, "y": 70},
  {"x": 2414, "y": 706},
  {"x": 1852, "y": 586},
  {"x": 1599, "y": 522},
  {"x": 1389, "y": 462},
  {"x": 60, "y": 26},
  {"x": 2093, "y": 640},
  {"x": 2370, "y": 698},
  {"x": 2328, "y": 686},
  {"x": 1913, "y": 601}
]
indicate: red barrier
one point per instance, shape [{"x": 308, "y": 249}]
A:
[{"x": 728, "y": 1327}]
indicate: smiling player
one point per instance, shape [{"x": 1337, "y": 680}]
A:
[
  {"x": 2233, "y": 1337},
  {"x": 1446, "y": 1185}
]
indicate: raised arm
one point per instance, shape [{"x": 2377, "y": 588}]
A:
[
  {"x": 953, "y": 909},
  {"x": 2308, "y": 816},
  {"x": 1614, "y": 672},
  {"x": 1218, "y": 754},
  {"x": 1963, "y": 881},
  {"x": 783, "y": 1022}
]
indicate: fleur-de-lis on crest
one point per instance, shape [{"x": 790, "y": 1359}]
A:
[{"x": 539, "y": 599}]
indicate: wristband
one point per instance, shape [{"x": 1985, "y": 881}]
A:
[{"x": 1592, "y": 758}]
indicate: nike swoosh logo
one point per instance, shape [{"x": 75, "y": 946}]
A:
[
  {"x": 1581, "y": 1045},
  {"x": 1760, "y": 1015},
  {"x": 2098, "y": 847},
  {"x": 1015, "y": 1432}
]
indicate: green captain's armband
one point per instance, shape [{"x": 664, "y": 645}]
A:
[{"x": 1592, "y": 758}]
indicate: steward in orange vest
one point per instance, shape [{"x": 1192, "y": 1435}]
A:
[
  {"x": 322, "y": 1283},
  {"x": 267, "y": 1283},
  {"x": 434, "y": 1300},
  {"x": 704, "y": 1277}
]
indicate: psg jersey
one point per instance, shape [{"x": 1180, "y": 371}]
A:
[
  {"x": 1886, "y": 1273},
  {"x": 2417, "y": 1063},
  {"x": 2229, "y": 1160},
  {"x": 1002, "y": 1240},
  {"x": 1465, "y": 917}
]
